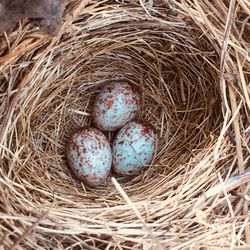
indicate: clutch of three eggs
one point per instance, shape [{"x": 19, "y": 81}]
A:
[{"x": 89, "y": 153}]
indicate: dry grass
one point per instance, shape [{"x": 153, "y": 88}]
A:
[{"x": 191, "y": 60}]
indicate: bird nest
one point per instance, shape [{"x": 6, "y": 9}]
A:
[{"x": 190, "y": 60}]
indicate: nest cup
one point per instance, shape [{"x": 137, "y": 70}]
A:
[{"x": 175, "y": 54}]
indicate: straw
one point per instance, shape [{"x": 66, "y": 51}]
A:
[{"x": 191, "y": 61}]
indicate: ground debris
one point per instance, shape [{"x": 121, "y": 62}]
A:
[{"x": 46, "y": 14}]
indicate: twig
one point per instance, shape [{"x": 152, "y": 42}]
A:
[{"x": 127, "y": 199}]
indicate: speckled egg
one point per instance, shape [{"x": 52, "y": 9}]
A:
[
  {"x": 116, "y": 105},
  {"x": 134, "y": 148},
  {"x": 89, "y": 156}
]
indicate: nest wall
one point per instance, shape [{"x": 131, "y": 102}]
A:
[{"x": 190, "y": 60}]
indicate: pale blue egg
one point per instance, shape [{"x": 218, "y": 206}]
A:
[
  {"x": 116, "y": 105},
  {"x": 134, "y": 148},
  {"x": 89, "y": 156}
]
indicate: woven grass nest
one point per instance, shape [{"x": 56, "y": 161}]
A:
[{"x": 191, "y": 61}]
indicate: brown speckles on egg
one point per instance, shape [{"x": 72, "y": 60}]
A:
[
  {"x": 134, "y": 148},
  {"x": 147, "y": 128},
  {"x": 116, "y": 105},
  {"x": 89, "y": 156}
]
